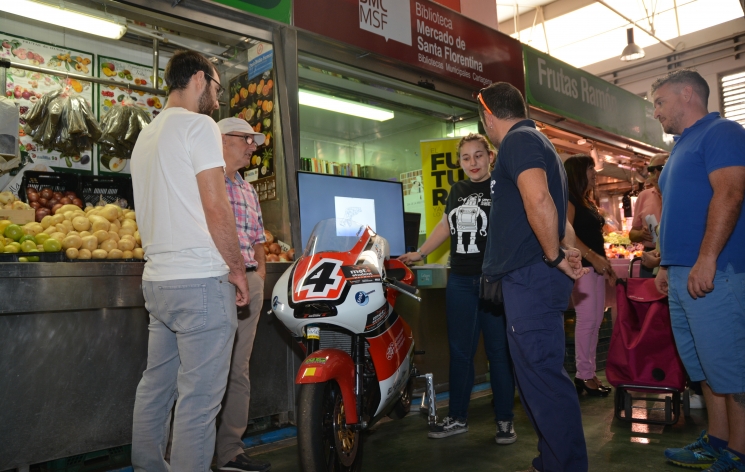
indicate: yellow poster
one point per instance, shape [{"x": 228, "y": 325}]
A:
[{"x": 440, "y": 170}]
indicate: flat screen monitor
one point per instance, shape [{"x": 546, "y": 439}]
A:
[{"x": 376, "y": 203}]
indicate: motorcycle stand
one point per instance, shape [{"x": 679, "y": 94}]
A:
[{"x": 429, "y": 400}]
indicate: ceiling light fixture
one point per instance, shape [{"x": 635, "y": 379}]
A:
[
  {"x": 347, "y": 107},
  {"x": 69, "y": 16},
  {"x": 581, "y": 141},
  {"x": 631, "y": 52}
]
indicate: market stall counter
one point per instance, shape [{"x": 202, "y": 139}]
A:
[{"x": 73, "y": 346}]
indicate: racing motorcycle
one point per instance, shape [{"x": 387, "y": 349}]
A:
[{"x": 337, "y": 301}]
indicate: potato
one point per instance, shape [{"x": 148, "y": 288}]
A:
[
  {"x": 81, "y": 223},
  {"x": 138, "y": 240},
  {"x": 59, "y": 236},
  {"x": 89, "y": 242},
  {"x": 99, "y": 254},
  {"x": 110, "y": 212},
  {"x": 126, "y": 245},
  {"x": 99, "y": 223},
  {"x": 124, "y": 231},
  {"x": 126, "y": 223},
  {"x": 101, "y": 235},
  {"x": 114, "y": 235},
  {"x": 130, "y": 216},
  {"x": 84, "y": 254},
  {"x": 85, "y": 233},
  {"x": 127, "y": 255},
  {"x": 72, "y": 253},
  {"x": 72, "y": 242},
  {"x": 33, "y": 228},
  {"x": 46, "y": 221},
  {"x": 65, "y": 208},
  {"x": 115, "y": 226},
  {"x": 57, "y": 219},
  {"x": 68, "y": 215},
  {"x": 51, "y": 229},
  {"x": 114, "y": 254},
  {"x": 138, "y": 253},
  {"x": 108, "y": 245},
  {"x": 127, "y": 236}
]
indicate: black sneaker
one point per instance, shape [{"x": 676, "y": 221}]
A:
[
  {"x": 245, "y": 463},
  {"x": 506, "y": 432},
  {"x": 448, "y": 427}
]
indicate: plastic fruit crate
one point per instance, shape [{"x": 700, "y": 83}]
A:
[
  {"x": 57, "y": 181},
  {"x": 43, "y": 256},
  {"x": 96, "y": 188}
]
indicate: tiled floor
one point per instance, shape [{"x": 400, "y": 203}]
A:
[{"x": 612, "y": 445}]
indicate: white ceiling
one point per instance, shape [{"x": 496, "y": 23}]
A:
[{"x": 585, "y": 32}]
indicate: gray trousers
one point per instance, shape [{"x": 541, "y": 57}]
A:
[
  {"x": 192, "y": 327},
  {"x": 234, "y": 414}
]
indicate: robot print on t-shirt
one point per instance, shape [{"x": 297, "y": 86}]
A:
[{"x": 467, "y": 221}]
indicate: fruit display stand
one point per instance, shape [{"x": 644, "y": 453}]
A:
[{"x": 73, "y": 346}]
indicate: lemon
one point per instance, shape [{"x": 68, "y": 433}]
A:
[
  {"x": 4, "y": 224},
  {"x": 28, "y": 245},
  {"x": 52, "y": 245},
  {"x": 41, "y": 237}
]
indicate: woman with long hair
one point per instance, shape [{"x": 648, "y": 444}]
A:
[
  {"x": 465, "y": 223},
  {"x": 588, "y": 296}
]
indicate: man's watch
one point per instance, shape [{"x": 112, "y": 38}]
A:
[{"x": 556, "y": 261}]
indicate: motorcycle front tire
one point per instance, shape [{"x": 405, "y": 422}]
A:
[{"x": 325, "y": 444}]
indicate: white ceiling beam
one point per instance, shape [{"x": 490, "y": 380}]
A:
[{"x": 550, "y": 11}]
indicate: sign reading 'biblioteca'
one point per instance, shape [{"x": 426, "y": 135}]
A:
[{"x": 420, "y": 33}]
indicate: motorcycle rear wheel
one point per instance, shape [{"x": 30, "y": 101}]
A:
[{"x": 325, "y": 444}]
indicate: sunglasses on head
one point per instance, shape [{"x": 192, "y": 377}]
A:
[
  {"x": 654, "y": 168},
  {"x": 483, "y": 103}
]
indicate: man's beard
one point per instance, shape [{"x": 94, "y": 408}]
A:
[{"x": 206, "y": 102}]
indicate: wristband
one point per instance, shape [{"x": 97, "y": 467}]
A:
[
  {"x": 556, "y": 261},
  {"x": 421, "y": 253}
]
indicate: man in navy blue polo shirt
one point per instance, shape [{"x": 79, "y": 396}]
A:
[
  {"x": 702, "y": 242},
  {"x": 529, "y": 202}
]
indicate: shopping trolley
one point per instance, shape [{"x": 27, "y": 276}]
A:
[{"x": 642, "y": 358}]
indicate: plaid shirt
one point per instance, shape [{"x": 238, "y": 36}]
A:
[{"x": 248, "y": 219}]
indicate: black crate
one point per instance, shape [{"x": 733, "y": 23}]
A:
[
  {"x": 57, "y": 181},
  {"x": 91, "y": 461},
  {"x": 97, "y": 188},
  {"x": 43, "y": 256}
]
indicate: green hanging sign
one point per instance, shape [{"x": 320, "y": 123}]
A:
[
  {"x": 279, "y": 10},
  {"x": 557, "y": 87}
]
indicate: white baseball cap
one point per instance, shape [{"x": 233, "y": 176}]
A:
[{"x": 230, "y": 125}]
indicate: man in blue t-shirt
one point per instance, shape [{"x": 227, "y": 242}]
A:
[
  {"x": 529, "y": 202},
  {"x": 702, "y": 241}
]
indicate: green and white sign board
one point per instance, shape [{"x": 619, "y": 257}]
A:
[
  {"x": 279, "y": 10},
  {"x": 557, "y": 87}
]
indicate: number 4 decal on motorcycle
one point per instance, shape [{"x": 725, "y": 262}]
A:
[{"x": 320, "y": 279}]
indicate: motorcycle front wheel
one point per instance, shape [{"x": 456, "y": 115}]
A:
[{"x": 325, "y": 444}]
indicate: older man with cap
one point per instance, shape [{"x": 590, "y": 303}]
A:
[{"x": 239, "y": 141}]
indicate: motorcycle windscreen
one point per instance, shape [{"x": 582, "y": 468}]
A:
[{"x": 318, "y": 274}]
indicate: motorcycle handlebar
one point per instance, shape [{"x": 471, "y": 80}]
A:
[{"x": 402, "y": 286}]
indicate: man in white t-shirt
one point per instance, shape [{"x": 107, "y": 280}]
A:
[{"x": 194, "y": 275}]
